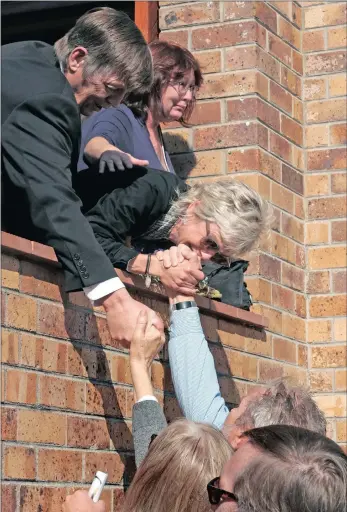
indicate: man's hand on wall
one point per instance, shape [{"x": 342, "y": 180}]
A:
[{"x": 122, "y": 312}]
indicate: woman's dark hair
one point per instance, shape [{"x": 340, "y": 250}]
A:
[{"x": 171, "y": 62}]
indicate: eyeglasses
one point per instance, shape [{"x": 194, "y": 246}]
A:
[
  {"x": 216, "y": 495},
  {"x": 208, "y": 242},
  {"x": 182, "y": 88}
]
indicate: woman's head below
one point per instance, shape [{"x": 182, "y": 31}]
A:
[
  {"x": 177, "y": 77},
  {"x": 175, "y": 472}
]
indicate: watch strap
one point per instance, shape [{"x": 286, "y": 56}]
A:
[{"x": 183, "y": 305}]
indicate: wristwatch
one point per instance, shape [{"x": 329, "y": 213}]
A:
[{"x": 183, "y": 305}]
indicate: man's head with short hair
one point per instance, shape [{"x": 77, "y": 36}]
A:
[
  {"x": 285, "y": 469},
  {"x": 280, "y": 403},
  {"x": 105, "y": 57}
]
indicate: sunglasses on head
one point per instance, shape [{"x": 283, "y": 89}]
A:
[{"x": 216, "y": 495}]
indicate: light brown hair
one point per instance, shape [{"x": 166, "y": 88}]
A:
[{"x": 177, "y": 468}]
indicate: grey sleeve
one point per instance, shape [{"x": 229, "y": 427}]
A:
[{"x": 148, "y": 419}]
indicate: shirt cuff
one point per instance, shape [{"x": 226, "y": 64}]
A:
[
  {"x": 97, "y": 291},
  {"x": 147, "y": 397}
]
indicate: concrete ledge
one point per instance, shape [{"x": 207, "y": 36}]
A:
[{"x": 12, "y": 244}]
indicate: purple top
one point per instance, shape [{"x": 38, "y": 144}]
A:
[{"x": 121, "y": 128}]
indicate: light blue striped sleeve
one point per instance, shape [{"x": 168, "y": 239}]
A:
[{"x": 193, "y": 371}]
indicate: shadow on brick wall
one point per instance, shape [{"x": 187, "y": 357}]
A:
[{"x": 182, "y": 157}]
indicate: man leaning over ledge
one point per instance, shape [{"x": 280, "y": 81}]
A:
[{"x": 44, "y": 91}]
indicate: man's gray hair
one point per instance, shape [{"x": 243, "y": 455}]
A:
[
  {"x": 282, "y": 404},
  {"x": 297, "y": 471},
  {"x": 239, "y": 211},
  {"x": 115, "y": 46}
]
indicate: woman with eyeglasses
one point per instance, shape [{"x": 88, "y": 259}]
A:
[{"x": 120, "y": 137}]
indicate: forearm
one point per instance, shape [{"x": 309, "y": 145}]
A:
[
  {"x": 141, "y": 379},
  {"x": 193, "y": 370},
  {"x": 96, "y": 147},
  {"x": 138, "y": 265}
]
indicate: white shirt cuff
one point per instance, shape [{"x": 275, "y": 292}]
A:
[
  {"x": 147, "y": 397},
  {"x": 97, "y": 291}
]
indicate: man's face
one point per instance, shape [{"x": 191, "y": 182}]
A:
[
  {"x": 99, "y": 92},
  {"x": 201, "y": 236},
  {"x": 231, "y": 471}
]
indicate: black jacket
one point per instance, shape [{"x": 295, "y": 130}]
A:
[
  {"x": 40, "y": 145},
  {"x": 142, "y": 196}
]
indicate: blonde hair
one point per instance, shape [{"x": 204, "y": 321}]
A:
[
  {"x": 239, "y": 211},
  {"x": 177, "y": 468}
]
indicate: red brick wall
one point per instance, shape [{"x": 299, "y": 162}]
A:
[
  {"x": 272, "y": 113},
  {"x": 66, "y": 387}
]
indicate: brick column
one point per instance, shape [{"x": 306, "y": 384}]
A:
[
  {"x": 271, "y": 114},
  {"x": 324, "y": 43}
]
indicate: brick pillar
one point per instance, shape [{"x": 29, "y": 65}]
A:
[
  {"x": 324, "y": 43},
  {"x": 270, "y": 114}
]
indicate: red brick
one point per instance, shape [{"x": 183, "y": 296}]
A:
[
  {"x": 337, "y": 37},
  {"x": 20, "y": 386},
  {"x": 292, "y": 228},
  {"x": 110, "y": 463},
  {"x": 37, "y": 279},
  {"x": 297, "y": 15},
  {"x": 268, "y": 65},
  {"x": 318, "y": 282},
  {"x": 231, "y": 84},
  {"x": 206, "y": 112},
  {"x": 283, "y": 298},
  {"x": 314, "y": 88},
  {"x": 292, "y": 130},
  {"x": 39, "y": 498},
  {"x": 85, "y": 432},
  {"x": 340, "y": 282},
  {"x": 225, "y": 136},
  {"x": 282, "y": 197},
  {"x": 321, "y": 381},
  {"x": 9, "y": 346},
  {"x": 284, "y": 7},
  {"x": 317, "y": 185},
  {"x": 280, "y": 49},
  {"x": 243, "y": 160},
  {"x": 269, "y": 370},
  {"x": 228, "y": 34},
  {"x": 280, "y": 97},
  {"x": 327, "y": 62},
  {"x": 262, "y": 85},
  {"x": 299, "y": 207},
  {"x": 242, "y": 109},
  {"x": 292, "y": 179},
  {"x": 280, "y": 146},
  {"x": 235, "y": 11},
  {"x": 61, "y": 323},
  {"x": 294, "y": 327},
  {"x": 327, "y": 14},
  {"x": 63, "y": 393},
  {"x": 270, "y": 165},
  {"x": 19, "y": 463},
  {"x": 288, "y": 32},
  {"x": 266, "y": 15},
  {"x": 317, "y": 135},
  {"x": 244, "y": 57},
  {"x": 293, "y": 277},
  {"x": 324, "y": 306},
  {"x": 176, "y": 37},
  {"x": 21, "y": 312},
  {"x": 328, "y": 357},
  {"x": 318, "y": 331},
  {"x": 291, "y": 81},
  {"x": 106, "y": 400},
  {"x": 43, "y": 353},
  {"x": 202, "y": 163},
  {"x": 59, "y": 465},
  {"x": 300, "y": 305},
  {"x": 327, "y": 208},
  {"x": 329, "y": 110},
  {"x": 8, "y": 498},
  {"x": 41, "y": 427},
  {"x": 341, "y": 380},
  {"x": 8, "y": 423},
  {"x": 320, "y": 159},
  {"x": 210, "y": 61},
  {"x": 270, "y": 268},
  {"x": 338, "y": 134},
  {"x": 284, "y": 350},
  {"x": 313, "y": 40},
  {"x": 176, "y": 15},
  {"x": 339, "y": 231},
  {"x": 284, "y": 248},
  {"x": 9, "y": 272},
  {"x": 298, "y": 63},
  {"x": 269, "y": 115},
  {"x": 298, "y": 110},
  {"x": 339, "y": 183}
]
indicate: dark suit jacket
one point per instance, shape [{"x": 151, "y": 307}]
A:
[
  {"x": 140, "y": 198},
  {"x": 40, "y": 146}
]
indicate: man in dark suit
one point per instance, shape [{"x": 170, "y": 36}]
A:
[{"x": 44, "y": 91}]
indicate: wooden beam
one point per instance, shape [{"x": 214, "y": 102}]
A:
[{"x": 146, "y": 18}]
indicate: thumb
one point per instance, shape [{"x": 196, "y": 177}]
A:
[
  {"x": 136, "y": 161},
  {"x": 141, "y": 324}
]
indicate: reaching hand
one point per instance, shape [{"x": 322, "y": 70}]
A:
[
  {"x": 115, "y": 159},
  {"x": 79, "y": 501},
  {"x": 182, "y": 278},
  {"x": 147, "y": 340},
  {"x": 175, "y": 255}
]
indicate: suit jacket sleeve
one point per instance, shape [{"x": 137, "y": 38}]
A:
[
  {"x": 148, "y": 419},
  {"x": 125, "y": 212},
  {"x": 38, "y": 141}
]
